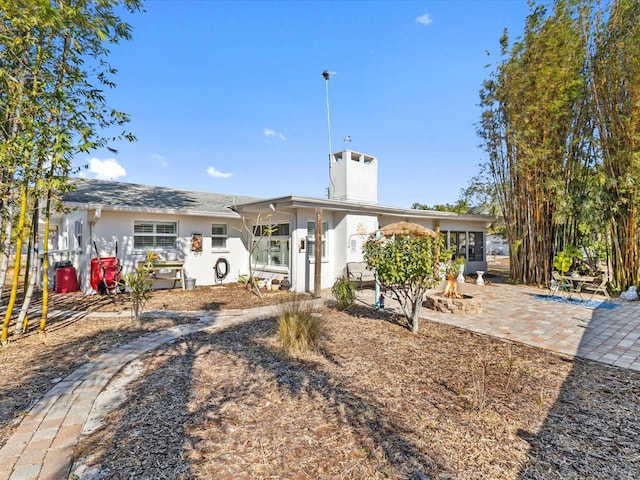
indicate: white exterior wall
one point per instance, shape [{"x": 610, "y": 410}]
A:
[
  {"x": 345, "y": 236},
  {"x": 69, "y": 249},
  {"x": 114, "y": 227},
  {"x": 359, "y": 229},
  {"x": 303, "y": 272},
  {"x": 353, "y": 176}
]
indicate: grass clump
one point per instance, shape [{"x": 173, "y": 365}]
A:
[
  {"x": 300, "y": 328},
  {"x": 344, "y": 293}
]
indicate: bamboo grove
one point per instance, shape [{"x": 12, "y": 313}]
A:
[
  {"x": 53, "y": 77},
  {"x": 560, "y": 123}
]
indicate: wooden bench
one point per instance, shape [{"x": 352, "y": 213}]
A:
[
  {"x": 157, "y": 270},
  {"x": 358, "y": 273}
]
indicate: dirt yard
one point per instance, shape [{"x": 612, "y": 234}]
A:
[{"x": 375, "y": 402}]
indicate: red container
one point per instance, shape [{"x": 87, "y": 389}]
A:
[
  {"x": 66, "y": 280},
  {"x": 100, "y": 282}
]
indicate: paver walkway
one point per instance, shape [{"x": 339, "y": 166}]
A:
[
  {"x": 42, "y": 445},
  {"x": 523, "y": 314}
]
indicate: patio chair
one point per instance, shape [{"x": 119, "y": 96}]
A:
[
  {"x": 559, "y": 284},
  {"x": 599, "y": 285}
]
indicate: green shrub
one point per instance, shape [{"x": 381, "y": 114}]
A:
[
  {"x": 344, "y": 293},
  {"x": 299, "y": 328},
  {"x": 139, "y": 286}
]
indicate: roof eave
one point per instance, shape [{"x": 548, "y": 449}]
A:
[
  {"x": 159, "y": 211},
  {"x": 339, "y": 205}
]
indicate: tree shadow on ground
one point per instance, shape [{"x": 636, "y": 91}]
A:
[
  {"x": 364, "y": 310},
  {"x": 592, "y": 430},
  {"x": 144, "y": 436},
  {"x": 392, "y": 449},
  {"x": 27, "y": 382}
]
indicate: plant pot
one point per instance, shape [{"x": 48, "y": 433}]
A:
[
  {"x": 285, "y": 284},
  {"x": 275, "y": 287}
]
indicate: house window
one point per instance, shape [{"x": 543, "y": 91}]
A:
[
  {"x": 149, "y": 235},
  {"x": 271, "y": 245},
  {"x": 78, "y": 234},
  {"x": 458, "y": 244},
  {"x": 476, "y": 247},
  {"x": 468, "y": 245},
  {"x": 219, "y": 235},
  {"x": 311, "y": 239}
]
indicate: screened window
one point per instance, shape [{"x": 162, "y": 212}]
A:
[
  {"x": 78, "y": 233},
  {"x": 219, "y": 235},
  {"x": 476, "y": 247},
  {"x": 150, "y": 235},
  {"x": 271, "y": 246},
  {"x": 468, "y": 245},
  {"x": 458, "y": 244},
  {"x": 311, "y": 239}
]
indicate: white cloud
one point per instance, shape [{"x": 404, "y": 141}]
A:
[
  {"x": 217, "y": 174},
  {"x": 424, "y": 19},
  {"x": 272, "y": 133},
  {"x": 160, "y": 159},
  {"x": 107, "y": 169}
]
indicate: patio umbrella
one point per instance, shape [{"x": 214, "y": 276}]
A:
[{"x": 407, "y": 228}]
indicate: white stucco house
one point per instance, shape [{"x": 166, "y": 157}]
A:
[{"x": 201, "y": 228}]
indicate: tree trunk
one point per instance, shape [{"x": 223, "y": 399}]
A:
[
  {"x": 7, "y": 244},
  {"x": 45, "y": 264},
  {"x": 16, "y": 268}
]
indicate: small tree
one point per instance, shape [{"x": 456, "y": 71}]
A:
[
  {"x": 406, "y": 267},
  {"x": 139, "y": 286},
  {"x": 253, "y": 236}
]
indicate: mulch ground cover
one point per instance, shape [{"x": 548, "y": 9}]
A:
[{"x": 375, "y": 401}]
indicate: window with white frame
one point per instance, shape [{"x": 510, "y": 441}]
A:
[
  {"x": 271, "y": 245},
  {"x": 311, "y": 239},
  {"x": 219, "y": 236},
  {"x": 78, "y": 233},
  {"x": 150, "y": 235}
]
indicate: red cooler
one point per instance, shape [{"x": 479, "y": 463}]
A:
[{"x": 66, "y": 280}]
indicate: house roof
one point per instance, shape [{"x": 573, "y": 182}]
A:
[
  {"x": 291, "y": 202},
  {"x": 121, "y": 196},
  {"x": 129, "y": 197}
]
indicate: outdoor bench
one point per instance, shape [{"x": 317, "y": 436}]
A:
[{"x": 358, "y": 273}]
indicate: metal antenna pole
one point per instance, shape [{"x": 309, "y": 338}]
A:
[{"x": 327, "y": 75}]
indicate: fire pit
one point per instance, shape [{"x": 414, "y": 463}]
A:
[{"x": 452, "y": 301}]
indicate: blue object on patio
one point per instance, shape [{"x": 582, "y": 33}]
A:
[{"x": 582, "y": 303}]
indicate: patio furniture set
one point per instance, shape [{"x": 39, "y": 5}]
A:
[{"x": 576, "y": 285}]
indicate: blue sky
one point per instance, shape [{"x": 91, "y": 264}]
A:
[{"x": 229, "y": 97}]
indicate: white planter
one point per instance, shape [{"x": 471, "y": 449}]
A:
[{"x": 461, "y": 275}]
